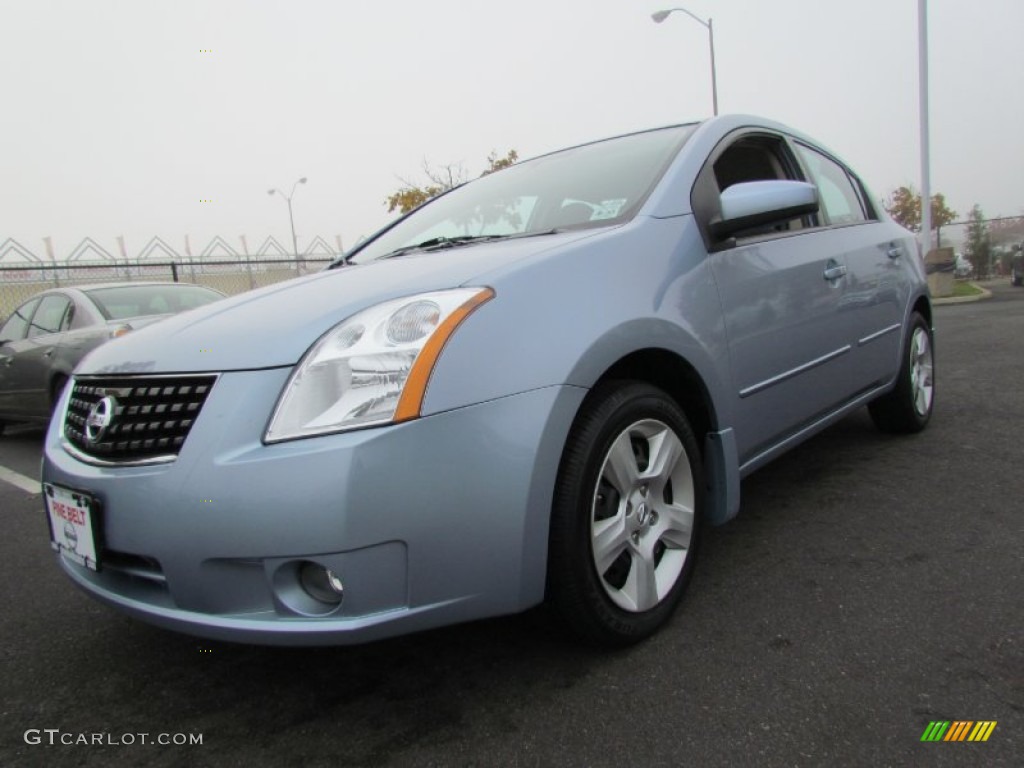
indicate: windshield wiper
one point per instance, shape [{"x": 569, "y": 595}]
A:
[
  {"x": 438, "y": 244},
  {"x": 441, "y": 243}
]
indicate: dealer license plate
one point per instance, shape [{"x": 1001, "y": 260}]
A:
[{"x": 72, "y": 516}]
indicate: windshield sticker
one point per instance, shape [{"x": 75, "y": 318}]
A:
[{"x": 608, "y": 209}]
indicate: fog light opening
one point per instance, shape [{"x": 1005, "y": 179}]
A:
[{"x": 322, "y": 584}]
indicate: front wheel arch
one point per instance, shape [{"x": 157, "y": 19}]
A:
[
  {"x": 632, "y": 471},
  {"x": 673, "y": 375},
  {"x": 677, "y": 376}
]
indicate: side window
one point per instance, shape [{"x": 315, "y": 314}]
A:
[
  {"x": 839, "y": 197},
  {"x": 758, "y": 158},
  {"x": 50, "y": 316},
  {"x": 16, "y": 326},
  {"x": 749, "y": 159}
]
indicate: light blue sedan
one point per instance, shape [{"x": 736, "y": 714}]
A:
[{"x": 538, "y": 386}]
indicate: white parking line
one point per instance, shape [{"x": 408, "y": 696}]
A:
[{"x": 21, "y": 481}]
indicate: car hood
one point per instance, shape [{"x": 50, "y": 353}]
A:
[{"x": 275, "y": 325}]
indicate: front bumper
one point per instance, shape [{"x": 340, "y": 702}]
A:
[{"x": 434, "y": 521}]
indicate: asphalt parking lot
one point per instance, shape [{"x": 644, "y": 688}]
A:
[{"x": 871, "y": 585}]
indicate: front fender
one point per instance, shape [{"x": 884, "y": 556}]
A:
[
  {"x": 567, "y": 318},
  {"x": 657, "y": 334}
]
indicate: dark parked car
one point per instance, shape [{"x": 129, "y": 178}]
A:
[
  {"x": 1017, "y": 267},
  {"x": 45, "y": 338}
]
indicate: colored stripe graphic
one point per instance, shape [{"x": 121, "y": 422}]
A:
[
  {"x": 959, "y": 730},
  {"x": 982, "y": 730}
]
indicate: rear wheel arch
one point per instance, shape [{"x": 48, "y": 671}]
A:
[
  {"x": 923, "y": 307},
  {"x": 907, "y": 408}
]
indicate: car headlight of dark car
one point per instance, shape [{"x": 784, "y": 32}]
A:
[{"x": 372, "y": 368}]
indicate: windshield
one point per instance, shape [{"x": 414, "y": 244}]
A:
[
  {"x": 120, "y": 302},
  {"x": 591, "y": 185}
]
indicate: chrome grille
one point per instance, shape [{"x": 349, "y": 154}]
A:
[{"x": 143, "y": 418}]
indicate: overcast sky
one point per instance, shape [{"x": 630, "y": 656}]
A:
[{"x": 117, "y": 121}]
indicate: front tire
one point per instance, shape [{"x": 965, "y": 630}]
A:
[
  {"x": 626, "y": 516},
  {"x": 908, "y": 407}
]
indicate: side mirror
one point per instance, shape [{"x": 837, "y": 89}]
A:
[
  {"x": 762, "y": 203},
  {"x": 1017, "y": 247}
]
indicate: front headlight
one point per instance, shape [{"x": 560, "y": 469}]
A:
[{"x": 372, "y": 368}]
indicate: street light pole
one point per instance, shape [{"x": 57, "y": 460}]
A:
[
  {"x": 660, "y": 16},
  {"x": 714, "y": 78},
  {"x": 291, "y": 218},
  {"x": 926, "y": 181}
]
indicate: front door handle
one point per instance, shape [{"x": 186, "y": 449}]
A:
[{"x": 834, "y": 271}]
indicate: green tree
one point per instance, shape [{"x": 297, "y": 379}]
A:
[
  {"x": 904, "y": 205},
  {"x": 978, "y": 246},
  {"x": 441, "y": 179}
]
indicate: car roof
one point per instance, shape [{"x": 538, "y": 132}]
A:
[
  {"x": 85, "y": 288},
  {"x": 133, "y": 283}
]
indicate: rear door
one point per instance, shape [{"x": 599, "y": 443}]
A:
[
  {"x": 876, "y": 288},
  {"x": 29, "y": 367},
  {"x": 13, "y": 343}
]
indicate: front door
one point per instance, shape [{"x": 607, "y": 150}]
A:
[{"x": 787, "y": 347}]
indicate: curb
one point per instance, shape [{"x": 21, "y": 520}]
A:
[{"x": 985, "y": 294}]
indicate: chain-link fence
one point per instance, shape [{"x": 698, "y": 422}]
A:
[
  {"x": 985, "y": 248},
  {"x": 19, "y": 282}
]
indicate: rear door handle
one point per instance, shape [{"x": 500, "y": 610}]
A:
[{"x": 834, "y": 271}]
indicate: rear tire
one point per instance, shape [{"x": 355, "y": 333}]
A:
[
  {"x": 908, "y": 407},
  {"x": 626, "y": 516}
]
